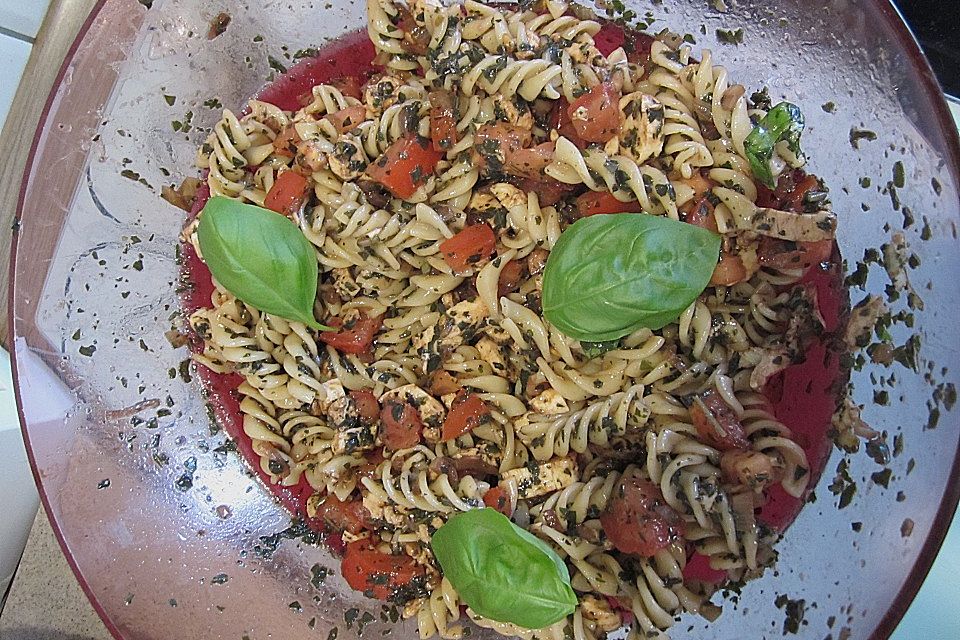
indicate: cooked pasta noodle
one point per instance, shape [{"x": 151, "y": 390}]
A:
[{"x": 467, "y": 116}]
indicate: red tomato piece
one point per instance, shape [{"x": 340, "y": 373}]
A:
[
  {"x": 550, "y": 191},
  {"x": 367, "y": 405},
  {"x": 443, "y": 126},
  {"x": 594, "y": 202},
  {"x": 783, "y": 254},
  {"x": 729, "y": 271},
  {"x": 285, "y": 144},
  {"x": 355, "y": 337},
  {"x": 348, "y": 119},
  {"x": 530, "y": 163},
  {"x": 343, "y": 516},
  {"x": 794, "y": 199},
  {"x": 405, "y": 165},
  {"x": 497, "y": 498},
  {"x": 379, "y": 575},
  {"x": 717, "y": 422},
  {"x": 560, "y": 120},
  {"x": 287, "y": 194},
  {"x": 596, "y": 114},
  {"x": 701, "y": 214},
  {"x": 467, "y": 413},
  {"x": 511, "y": 277},
  {"x": 468, "y": 247},
  {"x": 495, "y": 144},
  {"x": 401, "y": 426},
  {"x": 637, "y": 520}
]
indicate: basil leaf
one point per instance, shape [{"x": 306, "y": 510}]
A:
[
  {"x": 503, "y": 572},
  {"x": 261, "y": 257},
  {"x": 783, "y": 122},
  {"x": 610, "y": 275}
]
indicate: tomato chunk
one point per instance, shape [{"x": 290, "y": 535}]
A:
[
  {"x": 783, "y": 254},
  {"x": 467, "y": 413},
  {"x": 285, "y": 144},
  {"x": 468, "y": 247},
  {"x": 355, "y": 337},
  {"x": 549, "y": 191},
  {"x": 367, "y": 406},
  {"x": 401, "y": 426},
  {"x": 530, "y": 163},
  {"x": 287, "y": 194},
  {"x": 637, "y": 520},
  {"x": 511, "y": 277},
  {"x": 348, "y": 86},
  {"x": 729, "y": 271},
  {"x": 560, "y": 121},
  {"x": 497, "y": 498},
  {"x": 701, "y": 214},
  {"x": 594, "y": 202},
  {"x": 350, "y": 515},
  {"x": 443, "y": 126},
  {"x": 596, "y": 114},
  {"x": 495, "y": 144},
  {"x": 379, "y": 575},
  {"x": 405, "y": 165},
  {"x": 348, "y": 119},
  {"x": 717, "y": 422}
]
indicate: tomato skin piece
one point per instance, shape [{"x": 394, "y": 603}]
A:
[
  {"x": 347, "y": 119},
  {"x": 781, "y": 254},
  {"x": 401, "y": 425},
  {"x": 733, "y": 435},
  {"x": 367, "y": 405},
  {"x": 701, "y": 214},
  {"x": 405, "y": 165},
  {"x": 496, "y": 498},
  {"x": 348, "y": 515},
  {"x": 530, "y": 162},
  {"x": 467, "y": 413},
  {"x": 596, "y": 114},
  {"x": 287, "y": 193},
  {"x": 597, "y": 202},
  {"x": 469, "y": 246},
  {"x": 443, "y": 126},
  {"x": 356, "y": 338},
  {"x": 378, "y": 575},
  {"x": 729, "y": 271},
  {"x": 637, "y": 520},
  {"x": 511, "y": 277}
]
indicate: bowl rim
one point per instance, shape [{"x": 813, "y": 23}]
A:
[{"x": 907, "y": 41}]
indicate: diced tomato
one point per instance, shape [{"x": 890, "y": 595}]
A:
[
  {"x": 367, "y": 405},
  {"x": 701, "y": 214},
  {"x": 348, "y": 119},
  {"x": 511, "y": 277},
  {"x": 378, "y": 575},
  {"x": 287, "y": 194},
  {"x": 792, "y": 187},
  {"x": 793, "y": 201},
  {"x": 766, "y": 197},
  {"x": 371, "y": 460},
  {"x": 717, "y": 422},
  {"x": 560, "y": 120},
  {"x": 548, "y": 190},
  {"x": 355, "y": 337},
  {"x": 349, "y": 86},
  {"x": 468, "y": 247},
  {"x": 596, "y": 114},
  {"x": 443, "y": 126},
  {"x": 401, "y": 426},
  {"x": 405, "y": 165},
  {"x": 700, "y": 184},
  {"x": 468, "y": 412},
  {"x": 637, "y": 520},
  {"x": 342, "y": 516},
  {"x": 442, "y": 383},
  {"x": 594, "y": 202},
  {"x": 783, "y": 254},
  {"x": 640, "y": 46},
  {"x": 495, "y": 144},
  {"x": 530, "y": 163},
  {"x": 416, "y": 38},
  {"x": 729, "y": 271},
  {"x": 497, "y": 498},
  {"x": 285, "y": 144}
]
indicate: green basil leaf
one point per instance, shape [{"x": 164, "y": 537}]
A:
[
  {"x": 783, "y": 122},
  {"x": 261, "y": 257},
  {"x": 503, "y": 572},
  {"x": 610, "y": 275}
]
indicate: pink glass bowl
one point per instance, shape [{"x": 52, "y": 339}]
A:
[{"x": 165, "y": 527}]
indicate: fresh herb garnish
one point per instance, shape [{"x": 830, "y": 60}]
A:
[
  {"x": 261, "y": 257},
  {"x": 503, "y": 572},
  {"x": 783, "y": 122},
  {"x": 610, "y": 275}
]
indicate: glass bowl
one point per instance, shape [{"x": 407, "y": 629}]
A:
[{"x": 164, "y": 525}]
